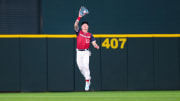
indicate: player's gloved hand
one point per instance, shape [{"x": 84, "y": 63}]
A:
[{"x": 83, "y": 11}]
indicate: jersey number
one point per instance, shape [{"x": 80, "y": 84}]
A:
[{"x": 87, "y": 41}]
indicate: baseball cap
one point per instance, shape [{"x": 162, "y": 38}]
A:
[{"x": 84, "y": 22}]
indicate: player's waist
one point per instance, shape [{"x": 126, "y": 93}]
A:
[{"x": 82, "y": 49}]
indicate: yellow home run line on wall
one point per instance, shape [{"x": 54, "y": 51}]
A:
[
  {"x": 95, "y": 35},
  {"x": 135, "y": 35}
]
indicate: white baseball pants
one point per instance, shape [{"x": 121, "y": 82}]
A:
[{"x": 82, "y": 59}]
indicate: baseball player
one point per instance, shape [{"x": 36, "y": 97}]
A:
[{"x": 84, "y": 38}]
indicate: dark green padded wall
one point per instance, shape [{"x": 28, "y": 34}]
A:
[
  {"x": 33, "y": 53},
  {"x": 140, "y": 64},
  {"x": 166, "y": 63},
  {"x": 60, "y": 64},
  {"x": 10, "y": 65}
]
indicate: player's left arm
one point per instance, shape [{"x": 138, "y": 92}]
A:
[
  {"x": 93, "y": 41},
  {"x": 95, "y": 44}
]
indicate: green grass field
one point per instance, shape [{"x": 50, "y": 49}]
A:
[{"x": 94, "y": 96}]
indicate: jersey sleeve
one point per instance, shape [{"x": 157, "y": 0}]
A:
[
  {"x": 92, "y": 38},
  {"x": 77, "y": 33}
]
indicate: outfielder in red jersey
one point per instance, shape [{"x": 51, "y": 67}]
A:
[{"x": 84, "y": 38}]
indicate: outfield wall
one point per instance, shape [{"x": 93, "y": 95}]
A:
[{"x": 48, "y": 64}]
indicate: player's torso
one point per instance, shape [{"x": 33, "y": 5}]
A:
[{"x": 83, "y": 40}]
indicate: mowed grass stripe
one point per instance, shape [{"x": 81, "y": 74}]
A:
[{"x": 94, "y": 96}]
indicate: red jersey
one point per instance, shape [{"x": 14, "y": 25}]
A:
[{"x": 83, "y": 40}]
